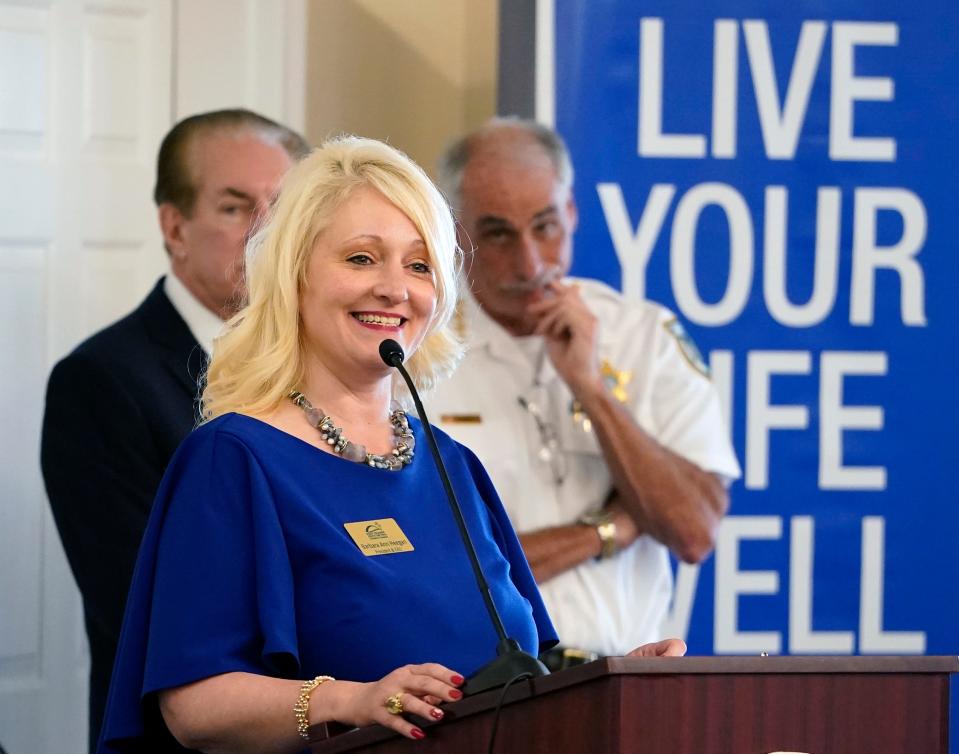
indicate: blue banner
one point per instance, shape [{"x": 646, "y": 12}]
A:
[{"x": 784, "y": 177}]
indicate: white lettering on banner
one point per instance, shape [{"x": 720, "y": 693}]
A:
[
  {"x": 826, "y": 255},
  {"x": 677, "y": 619},
  {"x": 682, "y": 254},
  {"x": 866, "y": 256},
  {"x": 731, "y": 582},
  {"x": 652, "y": 141},
  {"x": 834, "y": 418},
  {"x": 781, "y": 124},
  {"x": 725, "y": 95},
  {"x": 762, "y": 416},
  {"x": 847, "y": 89},
  {"x": 872, "y": 638},
  {"x": 780, "y": 127},
  {"x": 672, "y": 219},
  {"x": 802, "y": 638},
  {"x": 634, "y": 250},
  {"x": 721, "y": 374}
]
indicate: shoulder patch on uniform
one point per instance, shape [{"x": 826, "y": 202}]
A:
[{"x": 686, "y": 346}]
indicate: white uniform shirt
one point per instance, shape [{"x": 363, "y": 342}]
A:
[{"x": 608, "y": 606}]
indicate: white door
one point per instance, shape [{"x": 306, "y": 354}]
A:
[
  {"x": 85, "y": 96},
  {"x": 87, "y": 91}
]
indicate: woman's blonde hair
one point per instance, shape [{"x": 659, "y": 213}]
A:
[{"x": 259, "y": 358}]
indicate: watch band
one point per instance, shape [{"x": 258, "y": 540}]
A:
[{"x": 605, "y": 527}]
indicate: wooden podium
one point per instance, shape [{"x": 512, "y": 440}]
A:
[{"x": 699, "y": 705}]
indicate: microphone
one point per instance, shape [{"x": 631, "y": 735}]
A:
[
  {"x": 510, "y": 661},
  {"x": 392, "y": 353}
]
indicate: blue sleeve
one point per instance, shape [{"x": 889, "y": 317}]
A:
[
  {"x": 509, "y": 545},
  {"x": 213, "y": 590}
]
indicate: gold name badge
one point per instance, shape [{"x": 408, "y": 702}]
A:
[{"x": 382, "y": 536}]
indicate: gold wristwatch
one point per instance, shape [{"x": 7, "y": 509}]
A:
[{"x": 602, "y": 521}]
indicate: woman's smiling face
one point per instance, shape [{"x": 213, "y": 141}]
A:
[{"x": 369, "y": 278}]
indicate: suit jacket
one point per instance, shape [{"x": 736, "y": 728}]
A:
[{"x": 117, "y": 407}]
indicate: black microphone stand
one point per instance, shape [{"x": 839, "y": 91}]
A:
[{"x": 510, "y": 661}]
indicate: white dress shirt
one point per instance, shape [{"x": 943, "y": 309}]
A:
[{"x": 204, "y": 324}]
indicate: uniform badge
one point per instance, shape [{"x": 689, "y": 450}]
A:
[
  {"x": 615, "y": 380},
  {"x": 687, "y": 347},
  {"x": 381, "y": 536}
]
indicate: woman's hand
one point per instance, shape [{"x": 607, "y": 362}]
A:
[
  {"x": 417, "y": 688},
  {"x": 664, "y": 648}
]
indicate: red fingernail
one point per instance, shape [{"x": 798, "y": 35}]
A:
[
  {"x": 456, "y": 694},
  {"x": 436, "y": 714},
  {"x": 457, "y": 679},
  {"x": 417, "y": 734}
]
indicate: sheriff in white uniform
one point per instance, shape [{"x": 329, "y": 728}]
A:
[
  {"x": 548, "y": 467},
  {"x": 594, "y": 415}
]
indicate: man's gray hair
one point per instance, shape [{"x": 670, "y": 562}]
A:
[{"x": 456, "y": 156}]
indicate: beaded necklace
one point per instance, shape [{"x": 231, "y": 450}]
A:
[{"x": 403, "y": 441}]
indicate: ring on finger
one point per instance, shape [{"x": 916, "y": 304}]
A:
[{"x": 394, "y": 704}]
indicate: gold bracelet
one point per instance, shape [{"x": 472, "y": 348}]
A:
[{"x": 302, "y": 707}]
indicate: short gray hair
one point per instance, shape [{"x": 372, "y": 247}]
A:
[{"x": 456, "y": 156}]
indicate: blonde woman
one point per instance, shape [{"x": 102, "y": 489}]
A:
[
  {"x": 301, "y": 564},
  {"x": 301, "y": 552}
]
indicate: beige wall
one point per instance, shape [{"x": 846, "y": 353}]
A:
[{"x": 412, "y": 72}]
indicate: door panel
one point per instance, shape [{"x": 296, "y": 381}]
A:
[
  {"x": 84, "y": 99},
  {"x": 86, "y": 94}
]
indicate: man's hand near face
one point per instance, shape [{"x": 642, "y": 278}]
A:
[
  {"x": 666, "y": 495},
  {"x": 571, "y": 333}
]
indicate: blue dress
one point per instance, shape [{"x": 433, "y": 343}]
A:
[{"x": 247, "y": 565}]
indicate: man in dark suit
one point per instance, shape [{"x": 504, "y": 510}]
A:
[{"x": 119, "y": 405}]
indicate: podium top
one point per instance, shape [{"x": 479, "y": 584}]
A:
[
  {"x": 737, "y": 665},
  {"x": 659, "y": 666},
  {"x": 780, "y": 664}
]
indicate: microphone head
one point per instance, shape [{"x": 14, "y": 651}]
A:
[{"x": 391, "y": 352}]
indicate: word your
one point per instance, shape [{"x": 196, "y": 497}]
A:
[{"x": 634, "y": 248}]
